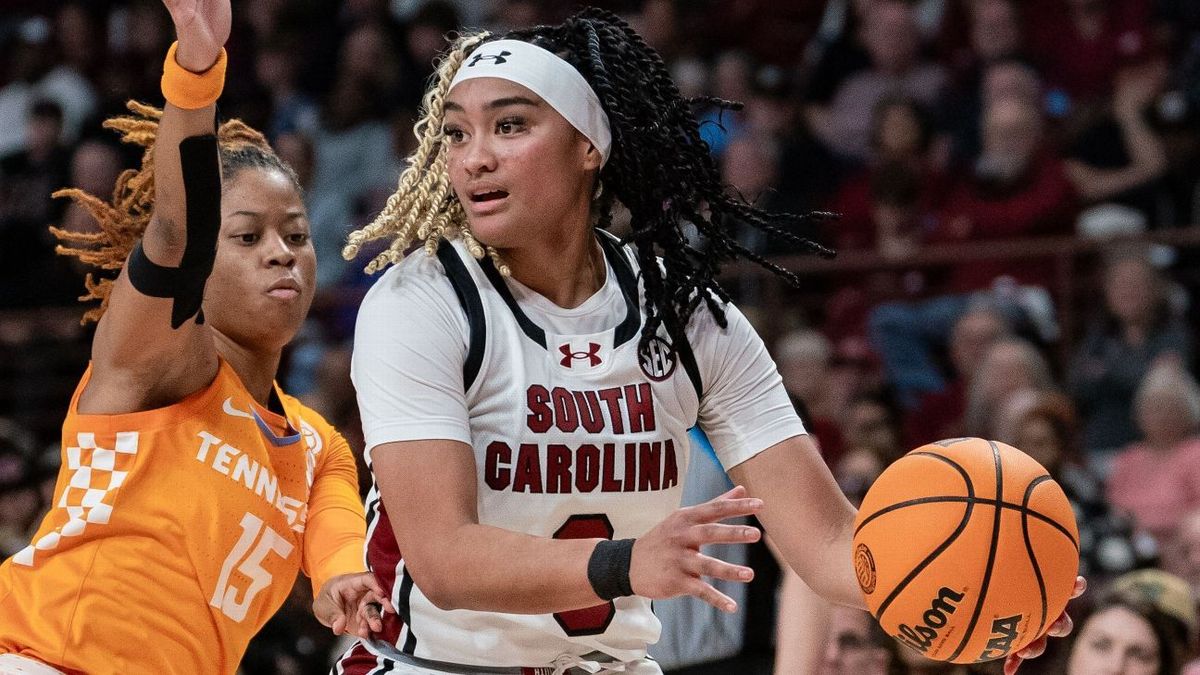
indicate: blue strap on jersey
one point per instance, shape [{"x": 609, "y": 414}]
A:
[{"x": 700, "y": 442}]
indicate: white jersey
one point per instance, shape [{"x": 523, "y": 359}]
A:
[{"x": 575, "y": 435}]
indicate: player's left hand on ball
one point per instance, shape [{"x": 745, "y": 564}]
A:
[
  {"x": 350, "y": 604},
  {"x": 1060, "y": 628}
]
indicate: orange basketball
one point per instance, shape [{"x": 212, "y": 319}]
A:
[{"x": 966, "y": 550}]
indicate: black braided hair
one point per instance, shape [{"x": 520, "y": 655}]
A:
[
  {"x": 247, "y": 156},
  {"x": 662, "y": 172}
]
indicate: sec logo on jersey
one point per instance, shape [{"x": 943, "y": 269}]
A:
[{"x": 658, "y": 359}]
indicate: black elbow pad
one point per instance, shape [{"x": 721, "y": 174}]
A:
[{"x": 200, "y": 160}]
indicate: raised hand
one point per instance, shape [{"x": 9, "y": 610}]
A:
[
  {"x": 667, "y": 561},
  {"x": 202, "y": 27}
]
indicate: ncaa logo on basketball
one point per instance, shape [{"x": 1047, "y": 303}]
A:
[
  {"x": 658, "y": 359},
  {"x": 1004, "y": 634}
]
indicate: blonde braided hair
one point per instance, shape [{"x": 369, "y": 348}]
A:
[
  {"x": 123, "y": 220},
  {"x": 424, "y": 207}
]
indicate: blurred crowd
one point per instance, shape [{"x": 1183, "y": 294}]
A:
[{"x": 923, "y": 123}]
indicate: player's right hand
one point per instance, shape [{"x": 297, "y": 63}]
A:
[
  {"x": 350, "y": 604},
  {"x": 202, "y": 27},
  {"x": 667, "y": 562}
]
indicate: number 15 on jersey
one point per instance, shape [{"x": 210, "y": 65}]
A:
[{"x": 247, "y": 557}]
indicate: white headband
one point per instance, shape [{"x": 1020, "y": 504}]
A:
[{"x": 545, "y": 74}]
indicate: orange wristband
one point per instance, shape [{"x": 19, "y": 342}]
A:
[{"x": 192, "y": 91}]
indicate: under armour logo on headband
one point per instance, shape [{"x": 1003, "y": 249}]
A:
[
  {"x": 498, "y": 58},
  {"x": 547, "y": 75}
]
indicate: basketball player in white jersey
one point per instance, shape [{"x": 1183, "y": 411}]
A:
[{"x": 527, "y": 387}]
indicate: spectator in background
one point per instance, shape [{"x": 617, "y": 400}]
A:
[
  {"x": 891, "y": 39},
  {"x": 1181, "y": 554},
  {"x": 296, "y": 150},
  {"x": 29, "y": 175},
  {"x": 277, "y": 70},
  {"x": 353, "y": 154},
  {"x": 870, "y": 423},
  {"x": 658, "y": 24},
  {"x": 1119, "y": 157},
  {"x": 750, "y": 167},
  {"x": 1137, "y": 628},
  {"x": 1012, "y": 365},
  {"x": 1045, "y": 428},
  {"x": 139, "y": 34},
  {"x": 1157, "y": 480},
  {"x": 1079, "y": 44},
  {"x": 20, "y": 501},
  {"x": 772, "y": 31},
  {"x": 940, "y": 413},
  {"x": 76, "y": 42},
  {"x": 95, "y": 167},
  {"x": 858, "y": 646},
  {"x": 885, "y": 208},
  {"x": 803, "y": 358},
  {"x": 994, "y": 70},
  {"x": 1018, "y": 189},
  {"x": 79, "y": 37},
  {"x": 1118, "y": 349},
  {"x": 35, "y": 74},
  {"x": 996, "y": 34},
  {"x": 901, "y": 167}
]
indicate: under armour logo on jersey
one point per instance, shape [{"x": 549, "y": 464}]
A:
[
  {"x": 657, "y": 359},
  {"x": 496, "y": 58},
  {"x": 569, "y": 357}
]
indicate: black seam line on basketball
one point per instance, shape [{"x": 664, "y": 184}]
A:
[
  {"x": 991, "y": 561},
  {"x": 962, "y": 525},
  {"x": 532, "y": 330},
  {"x": 472, "y": 305},
  {"x": 404, "y": 611},
  {"x": 628, "y": 284},
  {"x": 1037, "y": 571},
  {"x": 977, "y": 500},
  {"x": 923, "y": 500}
]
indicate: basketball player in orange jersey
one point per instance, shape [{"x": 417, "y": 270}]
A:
[{"x": 192, "y": 489}]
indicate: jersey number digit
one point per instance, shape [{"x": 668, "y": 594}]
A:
[
  {"x": 249, "y": 563},
  {"x": 590, "y": 620}
]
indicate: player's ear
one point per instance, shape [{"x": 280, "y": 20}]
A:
[{"x": 591, "y": 158}]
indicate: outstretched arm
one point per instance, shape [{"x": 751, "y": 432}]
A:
[
  {"x": 139, "y": 359},
  {"x": 806, "y": 515},
  {"x": 428, "y": 488}
]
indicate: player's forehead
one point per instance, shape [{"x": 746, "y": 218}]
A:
[
  {"x": 259, "y": 190},
  {"x": 484, "y": 94}
]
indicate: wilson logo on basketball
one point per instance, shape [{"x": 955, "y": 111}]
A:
[
  {"x": 592, "y": 355},
  {"x": 864, "y": 567},
  {"x": 658, "y": 359},
  {"x": 921, "y": 636},
  {"x": 1004, "y": 633}
]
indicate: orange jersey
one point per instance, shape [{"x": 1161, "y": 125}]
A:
[{"x": 176, "y": 533}]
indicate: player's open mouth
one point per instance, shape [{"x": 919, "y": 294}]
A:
[{"x": 489, "y": 196}]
